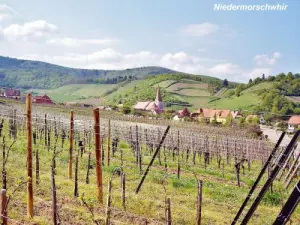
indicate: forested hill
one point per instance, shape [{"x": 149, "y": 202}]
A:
[{"x": 35, "y": 74}]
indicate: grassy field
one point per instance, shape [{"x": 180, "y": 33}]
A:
[
  {"x": 192, "y": 92},
  {"x": 167, "y": 83},
  {"x": 74, "y": 92},
  {"x": 234, "y": 102},
  {"x": 197, "y": 102},
  {"x": 180, "y": 86},
  {"x": 260, "y": 86},
  {"x": 248, "y": 98},
  {"x": 221, "y": 92}
]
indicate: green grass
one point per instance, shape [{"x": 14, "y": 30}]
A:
[
  {"x": 260, "y": 86},
  {"x": 221, "y": 92},
  {"x": 181, "y": 85},
  {"x": 244, "y": 101},
  {"x": 193, "y": 92},
  {"x": 167, "y": 83},
  {"x": 74, "y": 92}
]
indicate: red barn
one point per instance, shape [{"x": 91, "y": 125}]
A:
[{"x": 42, "y": 99}]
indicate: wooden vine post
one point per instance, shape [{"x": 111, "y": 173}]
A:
[
  {"x": 29, "y": 157},
  {"x": 108, "y": 204},
  {"x": 108, "y": 144},
  {"x": 98, "y": 155},
  {"x": 3, "y": 204},
  {"x": 168, "y": 212},
  {"x": 199, "y": 203},
  {"x": 71, "y": 144}
]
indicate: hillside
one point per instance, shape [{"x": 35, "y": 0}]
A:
[
  {"x": 35, "y": 74},
  {"x": 177, "y": 89},
  {"x": 277, "y": 94}
]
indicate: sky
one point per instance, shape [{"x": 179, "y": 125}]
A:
[{"x": 187, "y": 36}]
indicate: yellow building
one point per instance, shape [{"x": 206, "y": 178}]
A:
[{"x": 221, "y": 116}]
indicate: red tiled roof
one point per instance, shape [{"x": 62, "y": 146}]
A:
[
  {"x": 209, "y": 113},
  {"x": 295, "y": 120},
  {"x": 222, "y": 113}
]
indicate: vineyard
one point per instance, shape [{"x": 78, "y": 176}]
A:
[{"x": 92, "y": 169}]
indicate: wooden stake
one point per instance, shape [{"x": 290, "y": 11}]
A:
[
  {"x": 37, "y": 167},
  {"x": 3, "y": 204},
  {"x": 168, "y": 213},
  {"x": 98, "y": 155},
  {"x": 29, "y": 157},
  {"x": 108, "y": 204},
  {"x": 87, "y": 179},
  {"x": 124, "y": 191},
  {"x": 199, "y": 203},
  {"x": 53, "y": 192},
  {"x": 108, "y": 144},
  {"x": 76, "y": 178},
  {"x": 71, "y": 144}
]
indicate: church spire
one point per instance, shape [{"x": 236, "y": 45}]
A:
[{"x": 158, "y": 95}]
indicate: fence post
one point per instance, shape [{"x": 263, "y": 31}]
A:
[
  {"x": 98, "y": 155},
  {"x": 3, "y": 206},
  {"x": 71, "y": 144},
  {"x": 29, "y": 157}
]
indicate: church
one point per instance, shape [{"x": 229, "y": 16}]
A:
[{"x": 156, "y": 107}]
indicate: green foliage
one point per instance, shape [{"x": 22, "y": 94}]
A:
[
  {"x": 271, "y": 198},
  {"x": 126, "y": 110},
  {"x": 239, "y": 89},
  {"x": 33, "y": 74}
]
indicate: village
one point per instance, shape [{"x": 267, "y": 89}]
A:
[{"x": 156, "y": 110}]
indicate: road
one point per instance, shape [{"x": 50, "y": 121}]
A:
[{"x": 274, "y": 135}]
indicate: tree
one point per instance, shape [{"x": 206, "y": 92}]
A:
[
  {"x": 257, "y": 80},
  {"x": 225, "y": 83},
  {"x": 263, "y": 77},
  {"x": 250, "y": 81},
  {"x": 239, "y": 89},
  {"x": 271, "y": 78},
  {"x": 290, "y": 76},
  {"x": 126, "y": 110}
]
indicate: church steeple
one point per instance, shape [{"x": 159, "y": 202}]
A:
[{"x": 158, "y": 95}]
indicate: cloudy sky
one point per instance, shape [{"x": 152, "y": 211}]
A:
[{"x": 187, "y": 36}]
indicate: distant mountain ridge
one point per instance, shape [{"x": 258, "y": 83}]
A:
[{"x": 36, "y": 74}]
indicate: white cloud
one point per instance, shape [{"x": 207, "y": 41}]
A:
[
  {"x": 31, "y": 30},
  {"x": 264, "y": 59},
  {"x": 225, "y": 70},
  {"x": 6, "y": 12},
  {"x": 200, "y": 30},
  {"x": 258, "y": 72},
  {"x": 181, "y": 61},
  {"x": 74, "y": 42}
]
